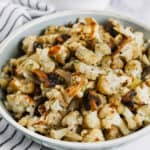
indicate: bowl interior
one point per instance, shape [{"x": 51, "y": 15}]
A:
[{"x": 10, "y": 48}]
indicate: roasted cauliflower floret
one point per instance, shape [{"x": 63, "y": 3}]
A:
[
  {"x": 77, "y": 88},
  {"x": 59, "y": 133},
  {"x": 52, "y": 119},
  {"x": 59, "y": 53},
  {"x": 26, "y": 67},
  {"x": 146, "y": 73},
  {"x": 129, "y": 117},
  {"x": 106, "y": 61},
  {"x": 47, "y": 39},
  {"x": 56, "y": 100},
  {"x": 47, "y": 64},
  {"x": 92, "y": 100},
  {"x": 116, "y": 25},
  {"x": 72, "y": 119},
  {"x": 134, "y": 68},
  {"x": 128, "y": 49},
  {"x": 20, "y": 103},
  {"x": 112, "y": 133},
  {"x": 111, "y": 82},
  {"x": 89, "y": 27},
  {"x": 145, "y": 60},
  {"x": 76, "y": 78},
  {"x": 91, "y": 72},
  {"x": 50, "y": 30},
  {"x": 28, "y": 43},
  {"x": 73, "y": 136},
  {"x": 92, "y": 135},
  {"x": 87, "y": 56},
  {"x": 110, "y": 117},
  {"x": 33, "y": 124},
  {"x": 117, "y": 62},
  {"x": 143, "y": 115},
  {"x": 143, "y": 94},
  {"x": 54, "y": 105},
  {"x": 91, "y": 120},
  {"x": 24, "y": 86},
  {"x": 66, "y": 134},
  {"x": 79, "y": 85},
  {"x": 115, "y": 101},
  {"x": 101, "y": 49},
  {"x": 139, "y": 37},
  {"x": 4, "y": 80},
  {"x": 65, "y": 74}
]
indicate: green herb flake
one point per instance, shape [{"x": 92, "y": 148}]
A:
[
  {"x": 107, "y": 72},
  {"x": 30, "y": 66},
  {"x": 76, "y": 61},
  {"x": 84, "y": 88}
]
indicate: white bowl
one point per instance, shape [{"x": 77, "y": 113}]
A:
[{"x": 9, "y": 48}]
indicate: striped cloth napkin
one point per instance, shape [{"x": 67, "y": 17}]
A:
[{"x": 14, "y": 13}]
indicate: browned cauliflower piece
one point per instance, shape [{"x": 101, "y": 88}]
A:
[
  {"x": 33, "y": 124},
  {"x": 59, "y": 53},
  {"x": 128, "y": 49},
  {"x": 28, "y": 43},
  {"x": 4, "y": 80},
  {"x": 47, "y": 64},
  {"x": 92, "y": 135},
  {"x": 91, "y": 72},
  {"x": 58, "y": 133},
  {"x": 134, "y": 68},
  {"x": 25, "y": 86},
  {"x": 91, "y": 120},
  {"x": 123, "y": 110},
  {"x": 110, "y": 117},
  {"x": 102, "y": 49},
  {"x": 56, "y": 101},
  {"x": 72, "y": 120},
  {"x": 143, "y": 94},
  {"x": 120, "y": 28},
  {"x": 89, "y": 27},
  {"x": 112, "y": 133},
  {"x": 110, "y": 83},
  {"x": 143, "y": 115},
  {"x": 52, "y": 119},
  {"x": 83, "y": 54},
  {"x": 19, "y": 104},
  {"x": 26, "y": 67}
]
